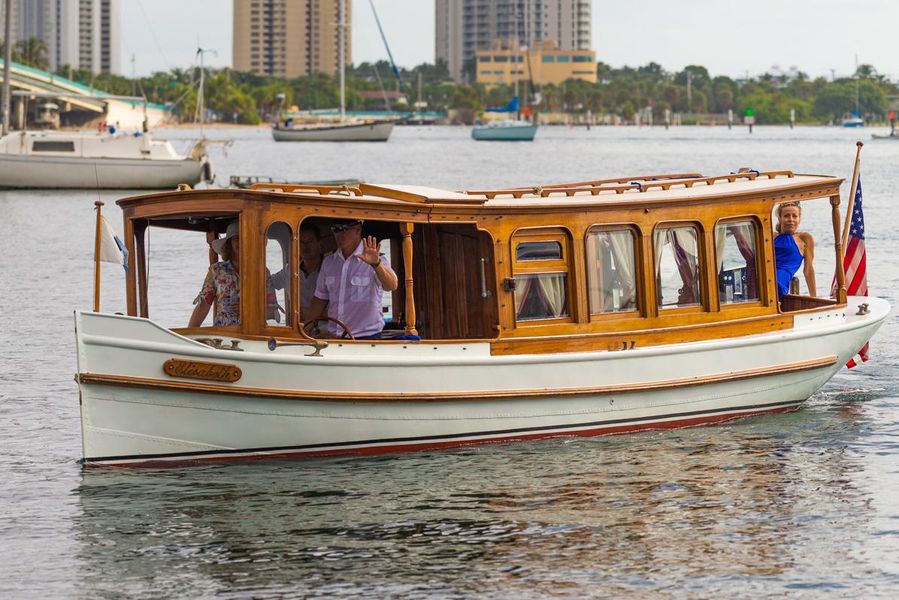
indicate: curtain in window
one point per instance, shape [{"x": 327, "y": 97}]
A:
[
  {"x": 622, "y": 244},
  {"x": 685, "y": 251}
]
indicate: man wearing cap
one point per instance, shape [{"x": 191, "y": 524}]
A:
[
  {"x": 352, "y": 282},
  {"x": 222, "y": 283}
]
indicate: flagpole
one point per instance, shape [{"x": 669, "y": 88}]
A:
[
  {"x": 851, "y": 205},
  {"x": 99, "y": 205}
]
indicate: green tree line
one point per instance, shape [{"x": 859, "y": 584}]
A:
[{"x": 619, "y": 91}]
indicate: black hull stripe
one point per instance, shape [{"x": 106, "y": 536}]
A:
[{"x": 447, "y": 436}]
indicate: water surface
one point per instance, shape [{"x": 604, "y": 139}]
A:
[{"x": 798, "y": 505}]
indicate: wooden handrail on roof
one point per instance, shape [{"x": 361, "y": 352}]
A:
[
  {"x": 518, "y": 191},
  {"x": 664, "y": 182},
  {"x": 321, "y": 190}
]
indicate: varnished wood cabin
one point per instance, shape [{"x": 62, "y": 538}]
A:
[{"x": 595, "y": 265}]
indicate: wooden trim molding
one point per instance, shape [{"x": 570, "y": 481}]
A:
[{"x": 273, "y": 394}]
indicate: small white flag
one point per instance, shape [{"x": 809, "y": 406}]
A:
[{"x": 111, "y": 247}]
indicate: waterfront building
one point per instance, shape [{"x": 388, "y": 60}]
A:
[
  {"x": 543, "y": 63},
  {"x": 83, "y": 34},
  {"x": 289, "y": 38},
  {"x": 465, "y": 26}
]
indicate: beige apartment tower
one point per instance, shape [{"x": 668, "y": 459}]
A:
[
  {"x": 465, "y": 26},
  {"x": 83, "y": 34},
  {"x": 289, "y": 38}
]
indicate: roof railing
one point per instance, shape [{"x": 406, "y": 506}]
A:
[
  {"x": 321, "y": 190},
  {"x": 624, "y": 184}
]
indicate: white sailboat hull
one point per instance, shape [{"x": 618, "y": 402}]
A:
[
  {"x": 378, "y": 131},
  {"x": 373, "y": 398},
  {"x": 74, "y": 172}
]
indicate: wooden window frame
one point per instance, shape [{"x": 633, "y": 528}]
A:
[
  {"x": 292, "y": 280},
  {"x": 761, "y": 276},
  {"x": 640, "y": 311},
  {"x": 704, "y": 294},
  {"x": 545, "y": 267}
]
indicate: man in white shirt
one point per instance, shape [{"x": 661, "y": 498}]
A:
[{"x": 351, "y": 283}]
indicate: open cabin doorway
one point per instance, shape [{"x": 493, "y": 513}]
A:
[{"x": 453, "y": 278}]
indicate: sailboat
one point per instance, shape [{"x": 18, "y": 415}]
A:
[
  {"x": 508, "y": 130},
  {"x": 106, "y": 159},
  {"x": 505, "y": 130},
  {"x": 855, "y": 118},
  {"x": 342, "y": 130}
]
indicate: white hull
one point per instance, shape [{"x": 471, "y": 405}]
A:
[
  {"x": 378, "y": 131},
  {"x": 92, "y": 173},
  {"x": 394, "y": 397}
]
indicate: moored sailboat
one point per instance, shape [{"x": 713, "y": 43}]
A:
[
  {"x": 344, "y": 129},
  {"x": 89, "y": 160}
]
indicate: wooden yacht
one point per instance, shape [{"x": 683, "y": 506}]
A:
[{"x": 581, "y": 309}]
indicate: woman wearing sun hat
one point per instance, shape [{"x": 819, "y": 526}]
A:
[{"x": 222, "y": 283}]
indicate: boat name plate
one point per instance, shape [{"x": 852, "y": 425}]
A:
[{"x": 193, "y": 369}]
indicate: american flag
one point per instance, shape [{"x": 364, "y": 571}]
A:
[{"x": 854, "y": 263}]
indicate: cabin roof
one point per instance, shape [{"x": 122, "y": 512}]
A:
[{"x": 619, "y": 191}]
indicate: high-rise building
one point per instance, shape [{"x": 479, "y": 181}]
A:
[
  {"x": 79, "y": 33},
  {"x": 290, "y": 38},
  {"x": 465, "y": 26}
]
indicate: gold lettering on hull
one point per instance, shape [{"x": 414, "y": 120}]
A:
[{"x": 192, "y": 369}]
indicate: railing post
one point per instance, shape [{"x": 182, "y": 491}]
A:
[
  {"x": 840, "y": 274},
  {"x": 406, "y": 229},
  {"x": 99, "y": 207}
]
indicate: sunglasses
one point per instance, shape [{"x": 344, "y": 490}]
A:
[{"x": 343, "y": 227}]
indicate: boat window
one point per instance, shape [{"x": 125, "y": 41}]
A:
[
  {"x": 677, "y": 266},
  {"x": 541, "y": 296},
  {"x": 538, "y": 251},
  {"x": 735, "y": 252},
  {"x": 540, "y": 269},
  {"x": 53, "y": 146},
  {"x": 611, "y": 271},
  {"x": 277, "y": 270}
]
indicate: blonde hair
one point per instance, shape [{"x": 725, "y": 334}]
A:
[{"x": 778, "y": 210}]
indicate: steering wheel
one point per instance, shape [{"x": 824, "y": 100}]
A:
[{"x": 346, "y": 330}]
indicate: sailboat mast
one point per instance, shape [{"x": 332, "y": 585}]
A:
[
  {"x": 7, "y": 54},
  {"x": 341, "y": 55}
]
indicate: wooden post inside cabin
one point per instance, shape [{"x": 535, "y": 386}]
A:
[
  {"x": 838, "y": 249},
  {"x": 406, "y": 229}
]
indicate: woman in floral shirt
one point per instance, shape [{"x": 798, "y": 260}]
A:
[{"x": 222, "y": 283}]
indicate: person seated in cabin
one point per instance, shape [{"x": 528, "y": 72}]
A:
[
  {"x": 793, "y": 248},
  {"x": 311, "y": 257},
  {"x": 222, "y": 283},
  {"x": 352, "y": 282}
]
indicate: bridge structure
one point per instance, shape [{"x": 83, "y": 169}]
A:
[{"x": 81, "y": 103}]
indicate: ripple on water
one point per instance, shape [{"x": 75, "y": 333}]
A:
[{"x": 794, "y": 505}]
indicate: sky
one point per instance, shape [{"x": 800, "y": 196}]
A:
[{"x": 729, "y": 37}]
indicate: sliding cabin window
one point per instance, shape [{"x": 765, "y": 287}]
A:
[
  {"x": 612, "y": 271},
  {"x": 277, "y": 273},
  {"x": 540, "y": 272},
  {"x": 737, "y": 262},
  {"x": 677, "y": 266}
]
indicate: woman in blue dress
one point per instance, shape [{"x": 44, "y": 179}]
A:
[{"x": 793, "y": 248}]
